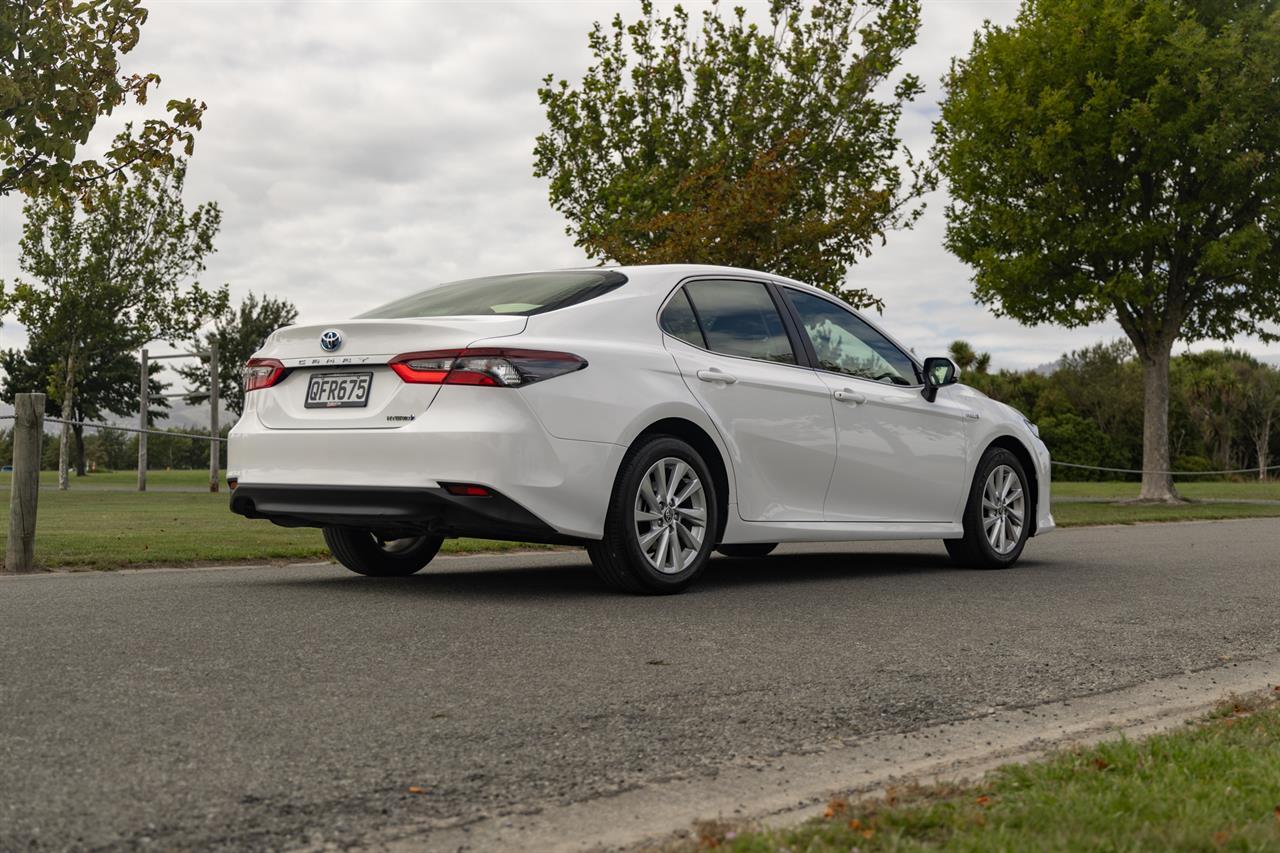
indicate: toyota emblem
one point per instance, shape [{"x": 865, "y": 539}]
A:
[{"x": 330, "y": 340}]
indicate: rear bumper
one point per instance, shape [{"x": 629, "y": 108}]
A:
[
  {"x": 396, "y": 511},
  {"x": 485, "y": 436}
]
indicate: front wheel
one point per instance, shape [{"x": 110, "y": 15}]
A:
[
  {"x": 368, "y": 553},
  {"x": 660, "y": 525},
  {"x": 997, "y": 517}
]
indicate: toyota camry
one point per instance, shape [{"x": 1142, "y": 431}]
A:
[{"x": 652, "y": 414}]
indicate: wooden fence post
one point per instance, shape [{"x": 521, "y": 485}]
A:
[
  {"x": 214, "y": 451},
  {"x": 28, "y": 431},
  {"x": 144, "y": 403}
]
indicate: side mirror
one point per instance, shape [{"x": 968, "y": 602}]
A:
[{"x": 938, "y": 371}]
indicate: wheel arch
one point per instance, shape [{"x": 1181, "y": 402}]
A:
[
  {"x": 701, "y": 441},
  {"x": 1023, "y": 454}
]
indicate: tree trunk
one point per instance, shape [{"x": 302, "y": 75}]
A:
[
  {"x": 1157, "y": 483},
  {"x": 68, "y": 409},
  {"x": 78, "y": 434}
]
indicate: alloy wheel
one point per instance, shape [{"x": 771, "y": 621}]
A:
[
  {"x": 1003, "y": 509},
  {"x": 670, "y": 515}
]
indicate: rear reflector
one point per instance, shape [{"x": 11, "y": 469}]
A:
[
  {"x": 501, "y": 368},
  {"x": 467, "y": 490},
  {"x": 261, "y": 373}
]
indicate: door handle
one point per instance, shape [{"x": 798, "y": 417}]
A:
[
  {"x": 715, "y": 374},
  {"x": 845, "y": 395}
]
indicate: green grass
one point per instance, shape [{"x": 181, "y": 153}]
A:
[
  {"x": 1083, "y": 514},
  {"x": 1194, "y": 490},
  {"x": 92, "y": 527},
  {"x": 1215, "y": 785},
  {"x": 103, "y": 523}
]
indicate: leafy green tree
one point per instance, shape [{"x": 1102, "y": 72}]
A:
[
  {"x": 59, "y": 73},
  {"x": 962, "y": 354},
  {"x": 1216, "y": 387},
  {"x": 1121, "y": 158},
  {"x": 108, "y": 384},
  {"x": 775, "y": 148},
  {"x": 1071, "y": 438},
  {"x": 111, "y": 273},
  {"x": 111, "y": 450},
  {"x": 1103, "y": 383},
  {"x": 966, "y": 358},
  {"x": 1261, "y": 411},
  {"x": 238, "y": 334}
]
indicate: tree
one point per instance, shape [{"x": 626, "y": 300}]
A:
[
  {"x": 108, "y": 274},
  {"x": 962, "y": 354},
  {"x": 238, "y": 334},
  {"x": 966, "y": 358},
  {"x": 108, "y": 383},
  {"x": 771, "y": 148},
  {"x": 1215, "y": 387},
  {"x": 1261, "y": 409},
  {"x": 1121, "y": 158},
  {"x": 59, "y": 73}
]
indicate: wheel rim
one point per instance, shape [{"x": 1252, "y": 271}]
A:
[
  {"x": 397, "y": 546},
  {"x": 670, "y": 515},
  {"x": 1003, "y": 509}
]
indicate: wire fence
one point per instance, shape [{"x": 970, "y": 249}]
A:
[
  {"x": 91, "y": 425},
  {"x": 178, "y": 433},
  {"x": 1254, "y": 470}
]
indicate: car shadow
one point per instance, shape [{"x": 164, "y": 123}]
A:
[{"x": 573, "y": 577}]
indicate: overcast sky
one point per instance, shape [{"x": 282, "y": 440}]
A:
[{"x": 362, "y": 150}]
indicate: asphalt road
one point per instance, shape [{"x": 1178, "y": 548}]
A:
[{"x": 270, "y": 707}]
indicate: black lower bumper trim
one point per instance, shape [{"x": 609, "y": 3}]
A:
[{"x": 395, "y": 511}]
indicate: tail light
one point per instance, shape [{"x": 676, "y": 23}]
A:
[
  {"x": 261, "y": 373},
  {"x": 503, "y": 368}
]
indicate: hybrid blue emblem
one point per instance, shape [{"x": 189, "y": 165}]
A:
[{"x": 330, "y": 340}]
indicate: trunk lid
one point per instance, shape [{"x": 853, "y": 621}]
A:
[{"x": 364, "y": 348}]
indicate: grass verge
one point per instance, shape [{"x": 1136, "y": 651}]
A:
[
  {"x": 100, "y": 529},
  {"x": 1268, "y": 490},
  {"x": 1212, "y": 786},
  {"x": 1082, "y": 514},
  {"x": 103, "y": 523}
]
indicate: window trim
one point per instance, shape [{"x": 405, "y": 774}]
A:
[
  {"x": 812, "y": 355},
  {"x": 784, "y": 314}
]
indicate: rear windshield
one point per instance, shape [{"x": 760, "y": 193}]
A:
[{"x": 521, "y": 294}]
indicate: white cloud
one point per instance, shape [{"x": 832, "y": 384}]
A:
[{"x": 362, "y": 149}]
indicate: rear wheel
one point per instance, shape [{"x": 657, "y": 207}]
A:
[
  {"x": 748, "y": 551},
  {"x": 997, "y": 517},
  {"x": 368, "y": 553},
  {"x": 660, "y": 525}
]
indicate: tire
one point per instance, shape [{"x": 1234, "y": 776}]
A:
[
  {"x": 366, "y": 553},
  {"x": 753, "y": 550},
  {"x": 978, "y": 549},
  {"x": 627, "y": 559}
]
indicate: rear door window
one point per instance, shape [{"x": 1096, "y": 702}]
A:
[{"x": 740, "y": 319}]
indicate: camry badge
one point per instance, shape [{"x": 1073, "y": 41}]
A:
[{"x": 330, "y": 340}]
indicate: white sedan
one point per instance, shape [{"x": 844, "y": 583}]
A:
[{"x": 653, "y": 414}]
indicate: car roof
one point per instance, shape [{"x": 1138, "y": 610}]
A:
[{"x": 664, "y": 275}]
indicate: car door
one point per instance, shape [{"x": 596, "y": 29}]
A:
[
  {"x": 901, "y": 458},
  {"x": 773, "y": 413}
]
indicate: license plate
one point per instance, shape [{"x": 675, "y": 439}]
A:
[{"x": 338, "y": 390}]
